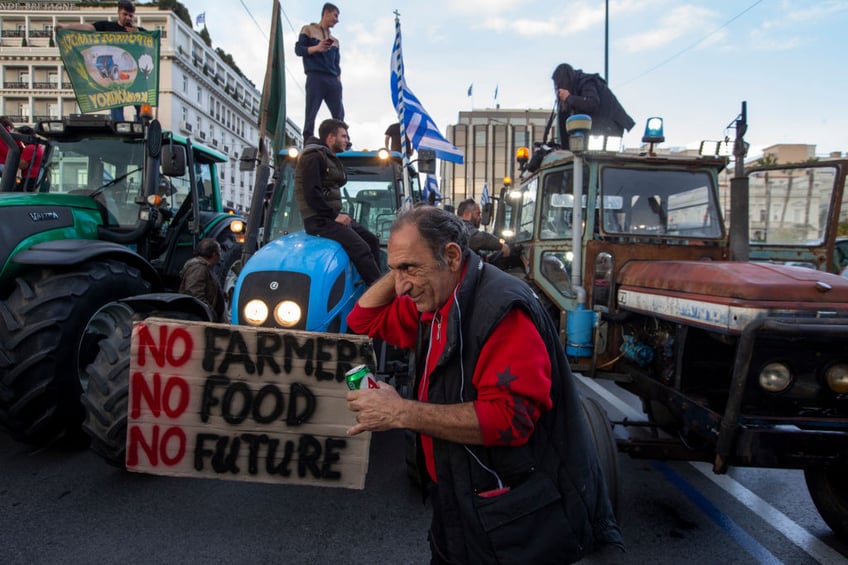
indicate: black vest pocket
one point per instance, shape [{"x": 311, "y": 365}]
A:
[{"x": 528, "y": 524}]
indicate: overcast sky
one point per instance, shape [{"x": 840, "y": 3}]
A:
[{"x": 691, "y": 62}]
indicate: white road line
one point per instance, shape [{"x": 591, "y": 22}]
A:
[{"x": 807, "y": 542}]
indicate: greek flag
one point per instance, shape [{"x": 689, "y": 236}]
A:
[
  {"x": 201, "y": 19},
  {"x": 431, "y": 186},
  {"x": 416, "y": 122},
  {"x": 484, "y": 198}
]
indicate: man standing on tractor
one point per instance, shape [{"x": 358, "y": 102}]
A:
[
  {"x": 125, "y": 23},
  {"x": 319, "y": 177},
  {"x": 321, "y": 58}
]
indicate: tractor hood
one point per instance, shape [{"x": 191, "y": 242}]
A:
[{"x": 727, "y": 295}]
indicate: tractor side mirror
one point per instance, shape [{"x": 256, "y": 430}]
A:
[
  {"x": 486, "y": 213},
  {"x": 173, "y": 160},
  {"x": 427, "y": 161},
  {"x": 247, "y": 161}
]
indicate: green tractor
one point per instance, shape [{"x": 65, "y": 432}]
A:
[{"x": 117, "y": 210}]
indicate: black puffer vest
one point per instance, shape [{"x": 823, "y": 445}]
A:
[
  {"x": 557, "y": 510},
  {"x": 334, "y": 178}
]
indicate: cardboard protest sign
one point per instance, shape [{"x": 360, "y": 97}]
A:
[
  {"x": 234, "y": 402},
  {"x": 111, "y": 69}
]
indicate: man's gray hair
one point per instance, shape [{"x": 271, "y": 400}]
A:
[{"x": 437, "y": 226}]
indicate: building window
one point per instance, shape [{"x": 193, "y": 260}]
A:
[
  {"x": 183, "y": 113},
  {"x": 199, "y": 94},
  {"x": 480, "y": 136},
  {"x": 185, "y": 84},
  {"x": 521, "y": 139}
]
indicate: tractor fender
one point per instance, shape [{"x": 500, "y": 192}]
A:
[
  {"x": 169, "y": 302},
  {"x": 220, "y": 224},
  {"x": 67, "y": 252}
]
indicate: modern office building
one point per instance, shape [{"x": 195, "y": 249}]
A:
[
  {"x": 489, "y": 139},
  {"x": 200, "y": 95}
]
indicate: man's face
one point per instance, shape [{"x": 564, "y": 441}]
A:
[
  {"x": 125, "y": 18},
  {"x": 418, "y": 274},
  {"x": 337, "y": 142},
  {"x": 329, "y": 18}
]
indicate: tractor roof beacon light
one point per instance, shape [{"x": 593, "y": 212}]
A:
[
  {"x": 578, "y": 127},
  {"x": 146, "y": 112},
  {"x": 653, "y": 133},
  {"x": 522, "y": 155}
]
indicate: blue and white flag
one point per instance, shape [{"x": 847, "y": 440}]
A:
[
  {"x": 417, "y": 123},
  {"x": 431, "y": 186},
  {"x": 484, "y": 198},
  {"x": 201, "y": 19}
]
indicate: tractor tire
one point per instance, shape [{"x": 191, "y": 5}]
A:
[
  {"x": 107, "y": 396},
  {"x": 607, "y": 449},
  {"x": 829, "y": 491},
  {"x": 227, "y": 271},
  {"x": 42, "y": 351}
]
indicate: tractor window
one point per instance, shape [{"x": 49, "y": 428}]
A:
[
  {"x": 373, "y": 205},
  {"x": 205, "y": 190},
  {"x": 526, "y": 211},
  {"x": 556, "y": 268},
  {"x": 371, "y": 195},
  {"x": 659, "y": 202},
  {"x": 791, "y": 206},
  {"x": 110, "y": 169},
  {"x": 557, "y": 206}
]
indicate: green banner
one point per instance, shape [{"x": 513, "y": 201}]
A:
[{"x": 111, "y": 69}]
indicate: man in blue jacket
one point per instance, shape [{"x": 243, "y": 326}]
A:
[{"x": 321, "y": 57}]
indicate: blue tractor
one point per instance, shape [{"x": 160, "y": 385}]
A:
[{"x": 302, "y": 282}]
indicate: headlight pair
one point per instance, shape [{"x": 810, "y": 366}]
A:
[{"x": 286, "y": 313}]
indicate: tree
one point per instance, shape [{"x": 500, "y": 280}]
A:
[
  {"x": 204, "y": 35},
  {"x": 176, "y": 7}
]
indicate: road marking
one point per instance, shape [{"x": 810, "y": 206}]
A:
[
  {"x": 807, "y": 542},
  {"x": 812, "y": 545}
]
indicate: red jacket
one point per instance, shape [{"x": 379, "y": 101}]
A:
[{"x": 511, "y": 376}]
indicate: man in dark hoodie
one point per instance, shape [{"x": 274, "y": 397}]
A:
[
  {"x": 582, "y": 93},
  {"x": 318, "y": 179},
  {"x": 321, "y": 58}
]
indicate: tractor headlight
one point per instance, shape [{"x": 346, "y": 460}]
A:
[
  {"x": 837, "y": 378},
  {"x": 255, "y": 312},
  {"x": 775, "y": 377},
  {"x": 287, "y": 313}
]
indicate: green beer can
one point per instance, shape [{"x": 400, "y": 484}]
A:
[{"x": 360, "y": 377}]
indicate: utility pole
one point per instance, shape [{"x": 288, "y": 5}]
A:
[{"x": 606, "y": 41}]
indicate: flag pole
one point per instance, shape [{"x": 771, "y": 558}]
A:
[
  {"x": 264, "y": 153},
  {"x": 263, "y": 171},
  {"x": 404, "y": 142}
]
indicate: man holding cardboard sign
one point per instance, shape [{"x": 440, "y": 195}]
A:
[{"x": 512, "y": 469}]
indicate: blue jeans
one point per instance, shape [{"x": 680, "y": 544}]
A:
[
  {"x": 118, "y": 114},
  {"x": 321, "y": 87}
]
